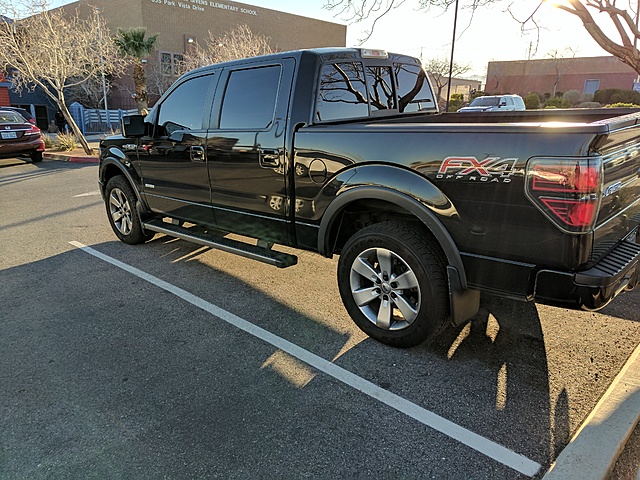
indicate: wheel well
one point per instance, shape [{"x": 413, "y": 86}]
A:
[{"x": 362, "y": 213}]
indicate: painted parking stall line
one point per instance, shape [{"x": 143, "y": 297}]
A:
[{"x": 477, "y": 442}]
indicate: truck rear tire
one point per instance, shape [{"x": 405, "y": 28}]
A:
[
  {"x": 120, "y": 201},
  {"x": 393, "y": 282}
]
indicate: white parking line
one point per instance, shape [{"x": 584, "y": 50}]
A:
[
  {"x": 483, "y": 445},
  {"x": 88, "y": 194}
]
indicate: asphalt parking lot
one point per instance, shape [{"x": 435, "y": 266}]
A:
[{"x": 170, "y": 360}]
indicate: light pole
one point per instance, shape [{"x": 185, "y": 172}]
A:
[
  {"x": 104, "y": 84},
  {"x": 453, "y": 44}
]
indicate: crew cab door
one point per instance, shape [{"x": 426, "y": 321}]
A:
[
  {"x": 246, "y": 150},
  {"x": 173, "y": 160}
]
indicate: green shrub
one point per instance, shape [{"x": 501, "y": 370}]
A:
[
  {"x": 556, "y": 102},
  {"x": 616, "y": 95},
  {"x": 532, "y": 101},
  {"x": 48, "y": 142},
  {"x": 622, "y": 105},
  {"x": 589, "y": 105},
  {"x": 456, "y": 102},
  {"x": 573, "y": 97},
  {"x": 66, "y": 141}
]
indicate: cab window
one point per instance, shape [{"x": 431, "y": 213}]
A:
[
  {"x": 250, "y": 98},
  {"x": 183, "y": 109},
  {"x": 380, "y": 85},
  {"x": 343, "y": 92},
  {"x": 414, "y": 91}
]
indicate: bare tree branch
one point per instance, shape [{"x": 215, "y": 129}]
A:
[
  {"x": 54, "y": 50},
  {"x": 240, "y": 42},
  {"x": 617, "y": 13}
]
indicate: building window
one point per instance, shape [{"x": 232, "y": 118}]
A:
[
  {"x": 171, "y": 63},
  {"x": 591, "y": 86}
]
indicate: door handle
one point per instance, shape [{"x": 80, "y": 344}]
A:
[
  {"x": 269, "y": 157},
  {"x": 197, "y": 154}
]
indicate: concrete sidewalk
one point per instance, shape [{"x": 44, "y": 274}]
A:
[{"x": 598, "y": 443}]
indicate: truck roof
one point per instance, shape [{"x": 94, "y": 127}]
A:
[{"x": 323, "y": 54}]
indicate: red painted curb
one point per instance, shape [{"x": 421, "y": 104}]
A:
[{"x": 71, "y": 158}]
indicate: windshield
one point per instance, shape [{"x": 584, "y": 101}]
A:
[{"x": 485, "y": 102}]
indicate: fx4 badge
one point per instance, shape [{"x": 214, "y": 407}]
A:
[{"x": 491, "y": 169}]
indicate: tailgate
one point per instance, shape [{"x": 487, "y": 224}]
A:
[{"x": 619, "y": 213}]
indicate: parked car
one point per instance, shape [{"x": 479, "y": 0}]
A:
[
  {"x": 495, "y": 103},
  {"x": 19, "y": 137},
  {"x": 25, "y": 114}
]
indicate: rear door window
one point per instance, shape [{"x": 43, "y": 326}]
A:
[{"x": 250, "y": 98}]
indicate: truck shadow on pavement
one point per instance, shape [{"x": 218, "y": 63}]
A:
[
  {"x": 503, "y": 349},
  {"x": 106, "y": 373}
]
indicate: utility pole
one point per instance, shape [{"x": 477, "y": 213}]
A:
[
  {"x": 104, "y": 84},
  {"x": 453, "y": 43}
]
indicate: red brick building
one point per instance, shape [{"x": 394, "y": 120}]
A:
[
  {"x": 587, "y": 75},
  {"x": 4, "y": 91}
]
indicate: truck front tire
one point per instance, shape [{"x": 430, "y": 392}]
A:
[
  {"x": 392, "y": 279},
  {"x": 120, "y": 201}
]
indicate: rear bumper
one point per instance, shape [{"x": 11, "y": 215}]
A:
[
  {"x": 594, "y": 288},
  {"x": 35, "y": 144}
]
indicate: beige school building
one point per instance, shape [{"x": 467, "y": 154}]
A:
[{"x": 179, "y": 24}]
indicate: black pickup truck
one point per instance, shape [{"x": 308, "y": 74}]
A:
[{"x": 343, "y": 151}]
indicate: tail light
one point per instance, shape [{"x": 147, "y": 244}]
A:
[
  {"x": 566, "y": 190},
  {"x": 33, "y": 131}
]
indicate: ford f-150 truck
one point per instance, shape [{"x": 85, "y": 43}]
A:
[{"x": 343, "y": 151}]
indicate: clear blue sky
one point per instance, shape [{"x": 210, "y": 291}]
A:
[{"x": 493, "y": 34}]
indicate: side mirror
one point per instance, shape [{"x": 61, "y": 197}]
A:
[
  {"x": 503, "y": 103},
  {"x": 133, "y": 126}
]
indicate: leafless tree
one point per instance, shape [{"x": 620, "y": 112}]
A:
[
  {"x": 240, "y": 42},
  {"x": 438, "y": 70},
  {"x": 90, "y": 93},
  {"x": 561, "y": 65},
  {"x": 54, "y": 50},
  {"x": 618, "y": 16},
  {"x": 158, "y": 81}
]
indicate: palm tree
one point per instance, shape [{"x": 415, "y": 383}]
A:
[{"x": 132, "y": 43}]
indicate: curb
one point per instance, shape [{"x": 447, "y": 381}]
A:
[
  {"x": 594, "y": 449},
  {"x": 71, "y": 158}
]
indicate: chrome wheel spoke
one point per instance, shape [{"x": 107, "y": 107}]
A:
[
  {"x": 364, "y": 268},
  {"x": 117, "y": 216},
  {"x": 126, "y": 225},
  {"x": 365, "y": 296},
  {"x": 409, "y": 312},
  {"x": 384, "y": 314},
  {"x": 384, "y": 260},
  {"x": 406, "y": 281}
]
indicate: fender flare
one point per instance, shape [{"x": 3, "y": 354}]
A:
[
  {"x": 410, "y": 204},
  {"x": 117, "y": 163}
]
